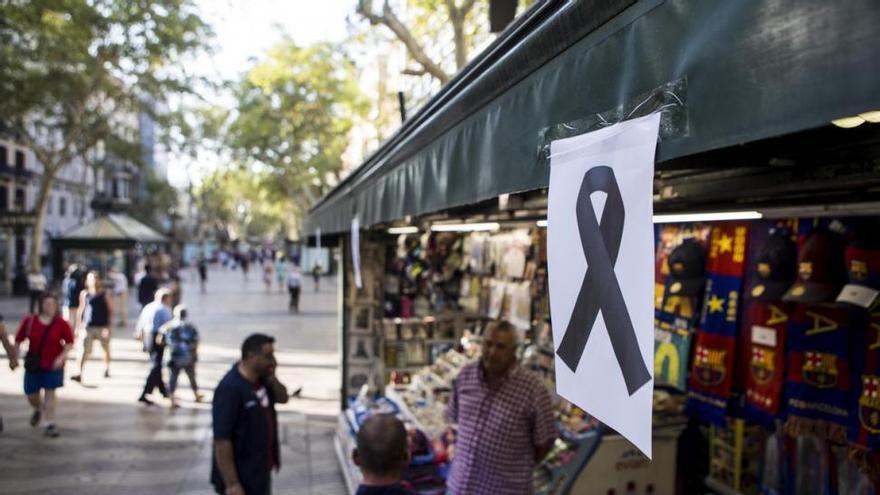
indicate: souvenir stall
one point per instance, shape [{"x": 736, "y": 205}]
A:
[
  {"x": 418, "y": 318},
  {"x": 766, "y": 194}
]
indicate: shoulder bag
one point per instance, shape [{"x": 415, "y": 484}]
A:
[{"x": 32, "y": 359}]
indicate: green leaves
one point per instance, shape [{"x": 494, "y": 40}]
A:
[
  {"x": 76, "y": 73},
  {"x": 295, "y": 109}
]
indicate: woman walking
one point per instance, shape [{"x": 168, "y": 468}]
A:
[
  {"x": 280, "y": 271},
  {"x": 50, "y": 339},
  {"x": 268, "y": 270},
  {"x": 95, "y": 316},
  {"x": 294, "y": 282}
]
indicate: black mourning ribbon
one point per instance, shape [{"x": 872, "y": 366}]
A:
[{"x": 600, "y": 289}]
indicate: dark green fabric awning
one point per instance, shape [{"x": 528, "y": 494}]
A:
[
  {"x": 112, "y": 231},
  {"x": 743, "y": 71}
]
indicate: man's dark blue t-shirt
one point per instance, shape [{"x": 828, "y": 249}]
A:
[
  {"x": 395, "y": 489},
  {"x": 245, "y": 414}
]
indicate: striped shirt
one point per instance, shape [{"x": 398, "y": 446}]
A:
[{"x": 498, "y": 431}]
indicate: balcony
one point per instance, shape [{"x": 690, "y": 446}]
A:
[
  {"x": 16, "y": 218},
  {"x": 17, "y": 172}
]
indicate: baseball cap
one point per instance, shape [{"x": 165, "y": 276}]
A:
[
  {"x": 821, "y": 272},
  {"x": 687, "y": 268},
  {"x": 775, "y": 267},
  {"x": 862, "y": 257}
]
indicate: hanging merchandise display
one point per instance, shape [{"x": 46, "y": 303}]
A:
[
  {"x": 711, "y": 379},
  {"x": 599, "y": 259},
  {"x": 766, "y": 268}
]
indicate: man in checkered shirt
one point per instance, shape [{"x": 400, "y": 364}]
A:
[{"x": 505, "y": 420}]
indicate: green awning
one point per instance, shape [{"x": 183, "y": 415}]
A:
[
  {"x": 743, "y": 70},
  {"x": 112, "y": 229}
]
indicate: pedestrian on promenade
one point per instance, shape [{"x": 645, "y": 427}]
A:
[
  {"x": 120, "y": 295},
  {"x": 147, "y": 287},
  {"x": 50, "y": 339},
  {"x": 268, "y": 269},
  {"x": 71, "y": 287},
  {"x": 505, "y": 420},
  {"x": 181, "y": 338},
  {"x": 152, "y": 317},
  {"x": 176, "y": 289},
  {"x": 245, "y": 422},
  {"x": 382, "y": 454},
  {"x": 294, "y": 284},
  {"x": 36, "y": 281},
  {"x": 203, "y": 273},
  {"x": 316, "y": 274},
  {"x": 280, "y": 271},
  {"x": 11, "y": 354},
  {"x": 244, "y": 262},
  {"x": 94, "y": 320}
]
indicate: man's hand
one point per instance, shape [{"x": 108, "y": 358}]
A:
[
  {"x": 235, "y": 490},
  {"x": 13, "y": 362}
]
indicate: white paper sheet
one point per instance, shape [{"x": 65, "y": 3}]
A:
[
  {"x": 597, "y": 385},
  {"x": 356, "y": 250}
]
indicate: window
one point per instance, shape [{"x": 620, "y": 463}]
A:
[
  {"x": 49, "y": 205},
  {"x": 62, "y": 206},
  {"x": 19, "y": 160},
  {"x": 4, "y": 197},
  {"x": 4, "y": 159},
  {"x": 20, "y": 199}
]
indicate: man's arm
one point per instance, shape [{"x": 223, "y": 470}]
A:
[
  {"x": 279, "y": 391},
  {"x": 544, "y": 430},
  {"x": 226, "y": 464}
]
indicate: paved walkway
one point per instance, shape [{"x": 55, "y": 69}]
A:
[{"x": 109, "y": 444}]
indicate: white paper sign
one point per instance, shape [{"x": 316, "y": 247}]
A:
[
  {"x": 601, "y": 264},
  {"x": 356, "y": 250}
]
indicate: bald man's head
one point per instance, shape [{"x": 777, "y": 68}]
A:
[{"x": 382, "y": 446}]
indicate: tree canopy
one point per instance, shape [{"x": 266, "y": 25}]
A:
[
  {"x": 77, "y": 72},
  {"x": 294, "y": 111}
]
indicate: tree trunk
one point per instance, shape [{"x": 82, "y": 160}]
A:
[
  {"x": 47, "y": 179},
  {"x": 461, "y": 49}
]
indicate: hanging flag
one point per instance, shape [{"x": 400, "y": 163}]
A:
[
  {"x": 712, "y": 371},
  {"x": 765, "y": 324},
  {"x": 356, "y": 250},
  {"x": 864, "y": 423},
  {"x": 818, "y": 383},
  {"x": 600, "y": 262}
]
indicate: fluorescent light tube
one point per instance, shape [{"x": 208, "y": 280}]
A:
[
  {"x": 848, "y": 122},
  {"x": 465, "y": 227},
  {"x": 542, "y": 223},
  {"x": 403, "y": 230},
  {"x": 708, "y": 217}
]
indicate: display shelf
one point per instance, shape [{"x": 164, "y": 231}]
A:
[
  {"x": 350, "y": 472},
  {"x": 393, "y": 396},
  {"x": 720, "y": 488},
  {"x": 563, "y": 477}
]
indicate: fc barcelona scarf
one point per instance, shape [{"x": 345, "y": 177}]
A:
[
  {"x": 711, "y": 378},
  {"x": 672, "y": 345},
  {"x": 817, "y": 389},
  {"x": 864, "y": 424},
  {"x": 765, "y": 325}
]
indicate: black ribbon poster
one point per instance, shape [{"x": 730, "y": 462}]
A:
[
  {"x": 601, "y": 268},
  {"x": 600, "y": 290}
]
